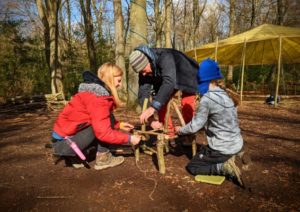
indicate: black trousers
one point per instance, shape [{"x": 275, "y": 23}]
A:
[
  {"x": 85, "y": 140},
  {"x": 205, "y": 161}
]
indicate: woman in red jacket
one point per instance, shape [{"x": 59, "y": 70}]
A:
[{"x": 89, "y": 115}]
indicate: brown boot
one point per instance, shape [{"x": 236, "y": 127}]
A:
[{"x": 106, "y": 160}]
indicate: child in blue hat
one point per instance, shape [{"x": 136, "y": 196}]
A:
[{"x": 216, "y": 113}]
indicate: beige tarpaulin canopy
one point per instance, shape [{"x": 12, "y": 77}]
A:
[{"x": 265, "y": 44}]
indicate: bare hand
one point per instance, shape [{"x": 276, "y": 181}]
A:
[
  {"x": 146, "y": 114},
  {"x": 177, "y": 129},
  {"x": 135, "y": 139},
  {"x": 126, "y": 126},
  {"x": 156, "y": 125}
]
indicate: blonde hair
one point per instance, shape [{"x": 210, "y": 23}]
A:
[{"x": 106, "y": 73}]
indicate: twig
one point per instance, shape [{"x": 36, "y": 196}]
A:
[
  {"x": 155, "y": 182},
  {"x": 54, "y": 197}
]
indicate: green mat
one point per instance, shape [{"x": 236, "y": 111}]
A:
[{"x": 211, "y": 179}]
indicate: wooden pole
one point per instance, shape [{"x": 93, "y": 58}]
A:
[
  {"x": 182, "y": 122},
  {"x": 278, "y": 71},
  {"x": 137, "y": 148},
  {"x": 166, "y": 125},
  {"x": 216, "y": 49},
  {"x": 145, "y": 104},
  {"x": 160, "y": 155},
  {"x": 243, "y": 71}
]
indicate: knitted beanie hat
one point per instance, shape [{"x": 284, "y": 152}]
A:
[
  {"x": 209, "y": 70},
  {"x": 138, "y": 60}
]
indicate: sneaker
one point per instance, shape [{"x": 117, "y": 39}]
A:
[
  {"x": 232, "y": 170},
  {"x": 78, "y": 165},
  {"x": 106, "y": 160},
  {"x": 74, "y": 162}
]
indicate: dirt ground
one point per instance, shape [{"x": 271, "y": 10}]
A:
[{"x": 29, "y": 180}]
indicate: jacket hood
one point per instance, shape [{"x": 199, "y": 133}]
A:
[
  {"x": 151, "y": 56},
  {"x": 91, "y": 83},
  {"x": 220, "y": 97}
]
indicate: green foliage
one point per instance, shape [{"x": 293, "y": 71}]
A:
[{"x": 23, "y": 69}]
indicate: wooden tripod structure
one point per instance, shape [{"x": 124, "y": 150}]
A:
[{"x": 162, "y": 137}]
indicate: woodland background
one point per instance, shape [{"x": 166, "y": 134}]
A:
[{"x": 47, "y": 44}]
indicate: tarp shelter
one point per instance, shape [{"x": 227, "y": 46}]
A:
[{"x": 265, "y": 44}]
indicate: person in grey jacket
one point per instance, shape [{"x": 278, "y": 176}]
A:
[
  {"x": 218, "y": 115},
  {"x": 165, "y": 71}
]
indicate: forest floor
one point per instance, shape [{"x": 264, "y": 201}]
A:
[{"x": 29, "y": 180}]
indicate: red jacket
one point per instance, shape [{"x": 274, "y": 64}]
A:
[{"x": 88, "y": 108}]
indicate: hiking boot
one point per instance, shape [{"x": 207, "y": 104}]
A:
[
  {"x": 246, "y": 160},
  {"x": 231, "y": 169},
  {"x": 106, "y": 160}
]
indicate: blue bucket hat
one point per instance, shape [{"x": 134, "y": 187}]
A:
[{"x": 208, "y": 70}]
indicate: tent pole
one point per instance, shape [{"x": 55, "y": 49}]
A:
[
  {"x": 216, "y": 49},
  {"x": 243, "y": 71},
  {"x": 278, "y": 71}
]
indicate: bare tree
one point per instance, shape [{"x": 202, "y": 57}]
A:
[
  {"x": 99, "y": 16},
  {"x": 48, "y": 12},
  {"x": 158, "y": 25},
  {"x": 119, "y": 39},
  {"x": 197, "y": 13},
  {"x": 88, "y": 28},
  {"x": 229, "y": 76},
  {"x": 168, "y": 8},
  {"x": 253, "y": 13},
  {"x": 138, "y": 35}
]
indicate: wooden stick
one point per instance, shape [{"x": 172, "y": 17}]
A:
[
  {"x": 54, "y": 197},
  {"x": 182, "y": 122},
  {"x": 166, "y": 137},
  {"x": 160, "y": 156},
  {"x": 194, "y": 145}
]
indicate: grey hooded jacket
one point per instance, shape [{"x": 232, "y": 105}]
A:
[{"x": 218, "y": 115}]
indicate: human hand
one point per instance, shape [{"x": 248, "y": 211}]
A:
[
  {"x": 146, "y": 114},
  {"x": 135, "y": 139},
  {"x": 156, "y": 125},
  {"x": 177, "y": 129},
  {"x": 126, "y": 126}
]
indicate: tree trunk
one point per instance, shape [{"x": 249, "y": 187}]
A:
[
  {"x": 168, "y": 23},
  {"x": 229, "y": 76},
  {"x": 138, "y": 35},
  {"x": 120, "y": 45},
  {"x": 55, "y": 64},
  {"x": 88, "y": 28},
  {"x": 253, "y": 13},
  {"x": 196, "y": 18},
  {"x": 158, "y": 27},
  {"x": 49, "y": 17},
  {"x": 184, "y": 26},
  {"x": 44, "y": 19},
  {"x": 279, "y": 12},
  {"x": 99, "y": 17}
]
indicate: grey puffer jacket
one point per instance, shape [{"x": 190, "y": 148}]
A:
[{"x": 218, "y": 115}]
